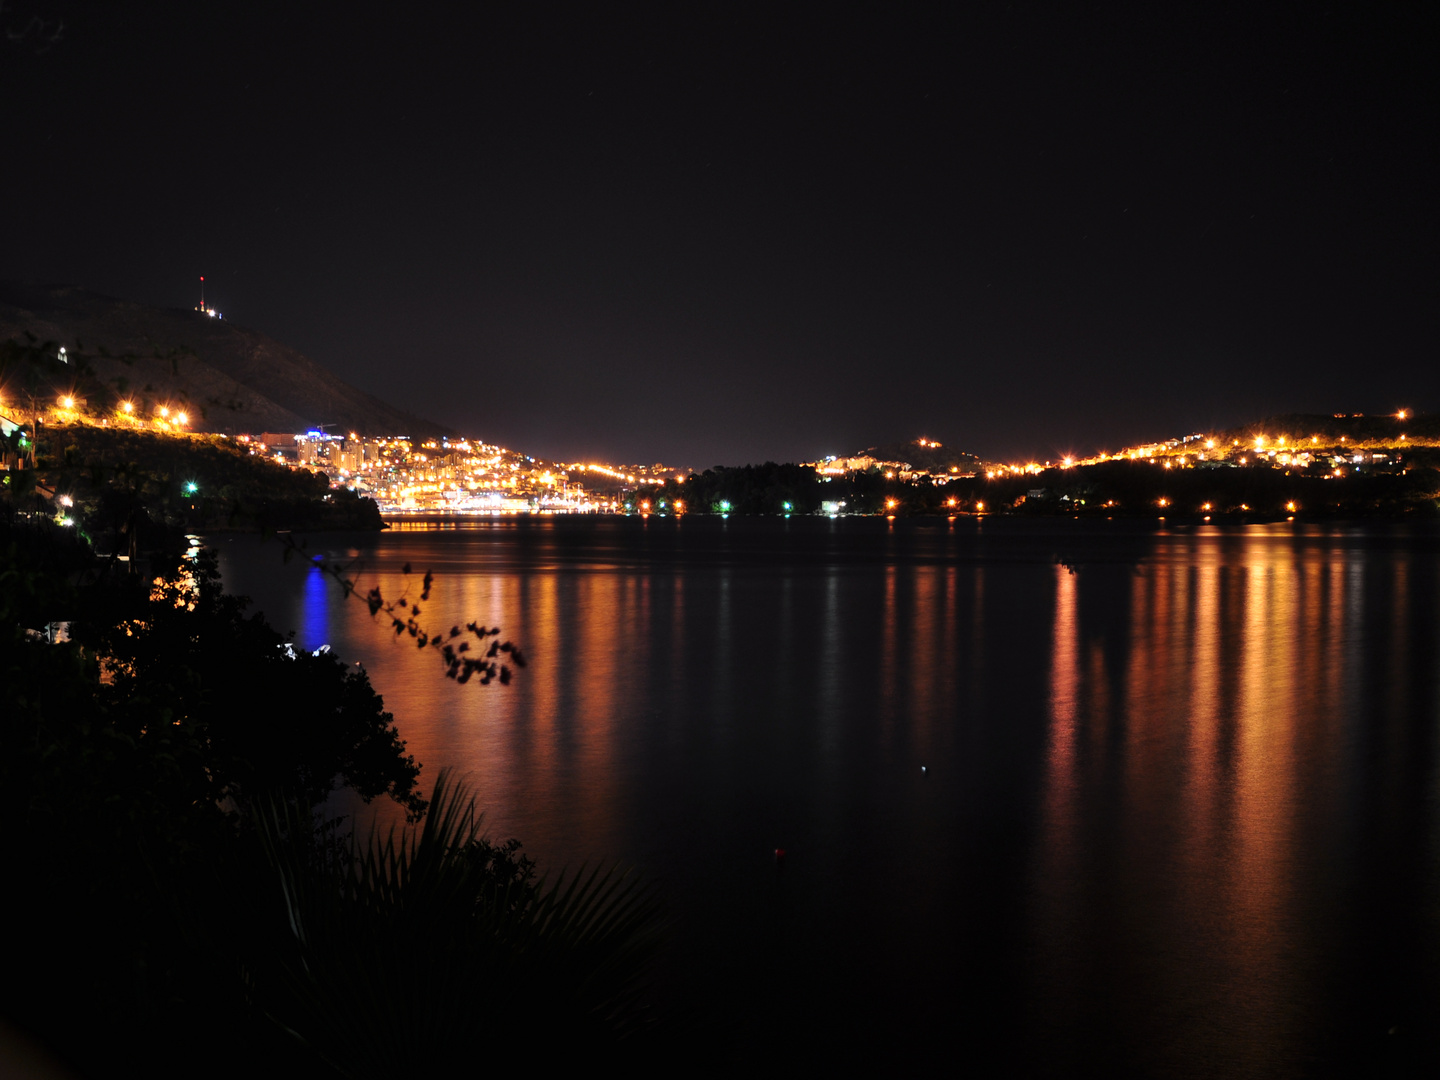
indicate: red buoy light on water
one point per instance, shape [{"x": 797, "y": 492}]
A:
[{"x": 779, "y": 855}]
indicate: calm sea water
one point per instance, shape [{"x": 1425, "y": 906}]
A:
[{"x": 1169, "y": 806}]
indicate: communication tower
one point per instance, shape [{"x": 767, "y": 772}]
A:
[{"x": 202, "y": 308}]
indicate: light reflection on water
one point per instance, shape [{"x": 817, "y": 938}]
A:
[{"x": 1178, "y": 807}]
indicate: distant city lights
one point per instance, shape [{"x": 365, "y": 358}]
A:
[{"x": 465, "y": 476}]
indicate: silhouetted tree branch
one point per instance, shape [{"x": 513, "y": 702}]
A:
[{"x": 487, "y": 657}]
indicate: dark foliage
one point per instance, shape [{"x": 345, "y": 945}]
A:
[
  {"x": 376, "y": 948},
  {"x": 187, "y": 483},
  {"x": 128, "y": 757},
  {"x": 182, "y": 903}
]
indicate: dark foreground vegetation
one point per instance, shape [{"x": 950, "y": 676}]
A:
[
  {"x": 174, "y": 904},
  {"x": 106, "y": 478}
]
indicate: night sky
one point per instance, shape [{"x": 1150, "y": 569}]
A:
[{"x": 719, "y": 234}]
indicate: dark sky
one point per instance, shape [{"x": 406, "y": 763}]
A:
[{"x": 719, "y": 234}]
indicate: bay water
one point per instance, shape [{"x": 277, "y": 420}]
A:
[{"x": 1055, "y": 797}]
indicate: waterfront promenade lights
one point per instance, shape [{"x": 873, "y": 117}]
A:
[{"x": 181, "y": 419}]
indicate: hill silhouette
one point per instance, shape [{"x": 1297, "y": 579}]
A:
[{"x": 238, "y": 379}]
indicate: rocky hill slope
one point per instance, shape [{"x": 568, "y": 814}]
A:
[{"x": 238, "y": 380}]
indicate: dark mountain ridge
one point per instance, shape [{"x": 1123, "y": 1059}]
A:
[{"x": 238, "y": 379}]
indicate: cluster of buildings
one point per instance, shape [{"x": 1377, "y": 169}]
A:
[
  {"x": 1335, "y": 453},
  {"x": 1327, "y": 450},
  {"x": 459, "y": 476},
  {"x": 832, "y": 466}
]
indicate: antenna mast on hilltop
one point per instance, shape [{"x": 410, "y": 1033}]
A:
[{"x": 202, "y": 308}]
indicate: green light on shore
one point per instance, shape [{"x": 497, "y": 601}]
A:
[{"x": 191, "y": 488}]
